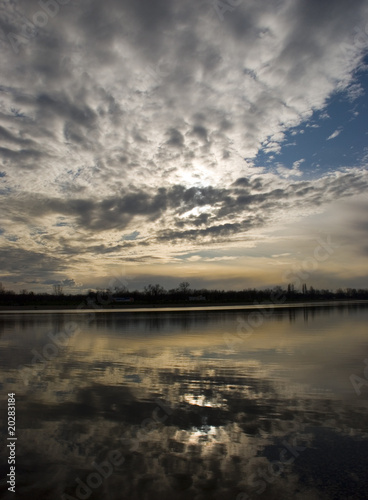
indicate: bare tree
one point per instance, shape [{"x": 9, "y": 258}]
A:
[
  {"x": 121, "y": 289},
  {"x": 184, "y": 287},
  {"x": 154, "y": 290},
  {"x": 58, "y": 289}
]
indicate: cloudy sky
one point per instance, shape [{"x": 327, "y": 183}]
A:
[{"x": 161, "y": 140}]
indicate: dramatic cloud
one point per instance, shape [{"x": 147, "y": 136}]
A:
[{"x": 146, "y": 128}]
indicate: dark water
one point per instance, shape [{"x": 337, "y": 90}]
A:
[{"x": 187, "y": 405}]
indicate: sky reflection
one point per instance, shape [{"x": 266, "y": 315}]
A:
[{"x": 191, "y": 417}]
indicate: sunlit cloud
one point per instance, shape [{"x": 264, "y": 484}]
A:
[{"x": 135, "y": 132}]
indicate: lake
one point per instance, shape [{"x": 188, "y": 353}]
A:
[{"x": 194, "y": 404}]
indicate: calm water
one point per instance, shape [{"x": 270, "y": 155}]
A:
[{"x": 188, "y": 405}]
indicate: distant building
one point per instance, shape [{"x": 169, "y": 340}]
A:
[
  {"x": 123, "y": 300},
  {"x": 198, "y": 298}
]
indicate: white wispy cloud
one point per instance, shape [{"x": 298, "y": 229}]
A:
[{"x": 334, "y": 134}]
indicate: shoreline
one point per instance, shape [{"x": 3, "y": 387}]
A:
[{"x": 178, "y": 307}]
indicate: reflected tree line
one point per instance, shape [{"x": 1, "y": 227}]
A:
[{"x": 183, "y": 294}]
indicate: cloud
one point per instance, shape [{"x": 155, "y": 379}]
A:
[
  {"x": 87, "y": 46},
  {"x": 334, "y": 134},
  {"x": 137, "y": 117},
  {"x": 132, "y": 236},
  {"x": 22, "y": 263},
  {"x": 220, "y": 259},
  {"x": 195, "y": 215},
  {"x": 354, "y": 91},
  {"x": 290, "y": 172}
]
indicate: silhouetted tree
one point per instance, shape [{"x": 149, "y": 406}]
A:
[
  {"x": 121, "y": 290},
  {"x": 154, "y": 290},
  {"x": 58, "y": 289},
  {"x": 184, "y": 287}
]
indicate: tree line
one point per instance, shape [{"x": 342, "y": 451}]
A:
[{"x": 157, "y": 294}]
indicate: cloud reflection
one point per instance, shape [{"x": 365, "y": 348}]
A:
[{"x": 191, "y": 419}]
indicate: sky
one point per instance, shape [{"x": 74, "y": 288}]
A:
[{"x": 159, "y": 141}]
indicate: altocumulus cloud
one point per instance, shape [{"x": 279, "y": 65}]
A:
[{"x": 119, "y": 117}]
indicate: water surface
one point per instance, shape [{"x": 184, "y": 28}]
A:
[{"x": 188, "y": 404}]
